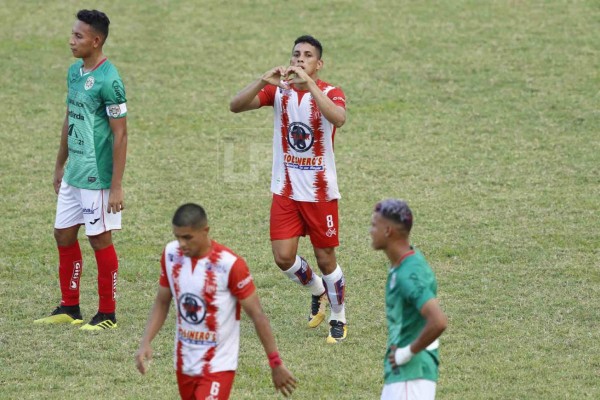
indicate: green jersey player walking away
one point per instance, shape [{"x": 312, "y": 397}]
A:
[
  {"x": 415, "y": 319},
  {"x": 93, "y": 147}
]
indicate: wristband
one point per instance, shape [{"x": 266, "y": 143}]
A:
[
  {"x": 274, "y": 360},
  {"x": 403, "y": 355}
]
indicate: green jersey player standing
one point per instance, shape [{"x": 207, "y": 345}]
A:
[
  {"x": 415, "y": 319},
  {"x": 89, "y": 171}
]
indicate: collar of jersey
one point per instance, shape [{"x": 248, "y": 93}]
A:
[{"x": 81, "y": 73}]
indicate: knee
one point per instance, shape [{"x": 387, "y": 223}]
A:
[
  {"x": 64, "y": 237},
  {"x": 101, "y": 241},
  {"x": 326, "y": 260},
  {"x": 284, "y": 261}
]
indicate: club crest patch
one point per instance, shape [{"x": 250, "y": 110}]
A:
[
  {"x": 114, "y": 110},
  {"x": 89, "y": 83}
]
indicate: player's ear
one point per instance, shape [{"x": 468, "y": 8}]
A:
[
  {"x": 388, "y": 230},
  {"x": 319, "y": 64},
  {"x": 97, "y": 41}
]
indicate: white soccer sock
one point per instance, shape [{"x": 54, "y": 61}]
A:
[
  {"x": 301, "y": 273},
  {"x": 335, "y": 284}
]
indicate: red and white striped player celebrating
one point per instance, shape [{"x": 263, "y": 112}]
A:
[
  {"x": 304, "y": 179},
  {"x": 210, "y": 284}
]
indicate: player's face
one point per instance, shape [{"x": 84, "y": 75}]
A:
[
  {"x": 306, "y": 56},
  {"x": 84, "y": 40},
  {"x": 379, "y": 231},
  {"x": 193, "y": 242}
]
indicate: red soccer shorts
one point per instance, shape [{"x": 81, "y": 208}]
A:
[
  {"x": 291, "y": 218},
  {"x": 214, "y": 386}
]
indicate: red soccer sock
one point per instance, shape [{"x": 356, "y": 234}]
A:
[
  {"x": 108, "y": 265},
  {"x": 70, "y": 266}
]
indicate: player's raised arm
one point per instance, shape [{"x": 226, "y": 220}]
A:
[
  {"x": 247, "y": 99},
  {"x": 156, "y": 319},
  {"x": 283, "y": 379},
  {"x": 334, "y": 113}
]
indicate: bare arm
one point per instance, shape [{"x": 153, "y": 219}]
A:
[
  {"x": 156, "y": 319},
  {"x": 63, "y": 154},
  {"x": 334, "y": 113},
  {"x": 435, "y": 325},
  {"x": 247, "y": 99},
  {"x": 115, "y": 199},
  {"x": 282, "y": 377},
  {"x": 437, "y": 322}
]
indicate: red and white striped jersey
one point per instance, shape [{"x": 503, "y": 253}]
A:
[
  {"x": 206, "y": 293},
  {"x": 303, "y": 159}
]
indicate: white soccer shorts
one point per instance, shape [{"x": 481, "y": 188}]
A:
[
  {"x": 417, "y": 389},
  {"x": 85, "y": 207}
]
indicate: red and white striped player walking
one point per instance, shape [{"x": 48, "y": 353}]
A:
[{"x": 210, "y": 285}]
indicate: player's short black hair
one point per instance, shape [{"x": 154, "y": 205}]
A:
[
  {"x": 396, "y": 211},
  {"x": 312, "y": 41},
  {"x": 96, "y": 19},
  {"x": 190, "y": 214}
]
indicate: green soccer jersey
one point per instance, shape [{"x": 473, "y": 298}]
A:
[
  {"x": 409, "y": 286},
  {"x": 93, "y": 97}
]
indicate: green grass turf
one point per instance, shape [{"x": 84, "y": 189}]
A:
[{"x": 482, "y": 114}]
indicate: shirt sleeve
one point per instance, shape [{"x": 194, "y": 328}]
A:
[
  {"x": 338, "y": 97},
  {"x": 267, "y": 95},
  {"x": 163, "y": 280},
  {"x": 113, "y": 96},
  {"x": 241, "y": 284},
  {"x": 415, "y": 290}
]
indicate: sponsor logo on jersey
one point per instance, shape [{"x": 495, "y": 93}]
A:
[
  {"x": 337, "y": 98},
  {"x": 90, "y": 210},
  {"x": 75, "y": 115},
  {"x": 75, "y": 103},
  {"x": 244, "y": 282},
  {"x": 176, "y": 258},
  {"x": 72, "y": 150},
  {"x": 300, "y": 137},
  {"x": 191, "y": 308},
  {"x": 74, "y": 284},
  {"x": 75, "y": 138},
  {"x": 331, "y": 232},
  {"x": 303, "y": 163},
  {"x": 215, "y": 267},
  {"x": 197, "y": 337},
  {"x": 119, "y": 91},
  {"x": 89, "y": 83}
]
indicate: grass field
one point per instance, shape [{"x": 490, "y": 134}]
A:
[{"x": 484, "y": 115}]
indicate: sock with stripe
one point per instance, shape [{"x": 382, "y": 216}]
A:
[
  {"x": 301, "y": 273},
  {"x": 108, "y": 265},
  {"x": 335, "y": 285},
  {"x": 70, "y": 266}
]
